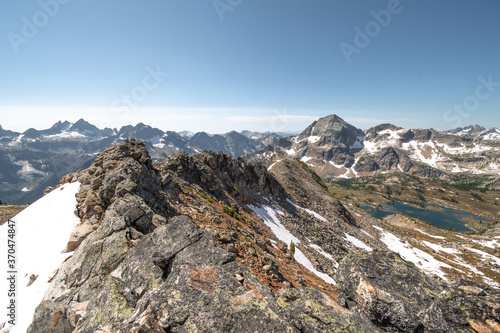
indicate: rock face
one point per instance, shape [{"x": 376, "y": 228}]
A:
[
  {"x": 396, "y": 297},
  {"x": 222, "y": 176}
]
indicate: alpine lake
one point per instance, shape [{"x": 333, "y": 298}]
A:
[{"x": 438, "y": 216}]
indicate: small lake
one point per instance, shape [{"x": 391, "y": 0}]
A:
[{"x": 438, "y": 216}]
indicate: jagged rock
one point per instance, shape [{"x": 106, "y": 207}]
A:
[
  {"x": 219, "y": 175},
  {"x": 459, "y": 309},
  {"x": 175, "y": 280},
  {"x": 389, "y": 291},
  {"x": 397, "y": 297},
  {"x": 50, "y": 317},
  {"x": 117, "y": 173},
  {"x": 227, "y": 237}
]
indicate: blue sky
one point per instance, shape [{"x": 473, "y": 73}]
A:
[{"x": 249, "y": 64}]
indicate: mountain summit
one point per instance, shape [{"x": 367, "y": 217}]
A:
[{"x": 331, "y": 130}]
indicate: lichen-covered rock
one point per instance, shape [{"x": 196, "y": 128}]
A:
[
  {"x": 50, "y": 317},
  {"x": 175, "y": 280},
  {"x": 389, "y": 291},
  {"x": 395, "y": 296},
  {"x": 220, "y": 175},
  {"x": 119, "y": 172},
  {"x": 464, "y": 306}
]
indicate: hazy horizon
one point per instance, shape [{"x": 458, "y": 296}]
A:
[{"x": 277, "y": 120}]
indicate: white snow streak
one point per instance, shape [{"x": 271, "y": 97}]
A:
[
  {"x": 356, "y": 242},
  {"x": 433, "y": 236},
  {"x": 270, "y": 218},
  {"x": 422, "y": 260},
  {"x": 310, "y": 212},
  {"x": 270, "y": 167},
  {"x": 439, "y": 248}
]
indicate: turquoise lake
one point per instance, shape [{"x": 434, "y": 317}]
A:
[{"x": 444, "y": 218}]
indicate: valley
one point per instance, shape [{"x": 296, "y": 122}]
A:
[{"x": 473, "y": 197}]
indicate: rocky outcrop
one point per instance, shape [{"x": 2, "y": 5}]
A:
[
  {"x": 141, "y": 268},
  {"x": 222, "y": 176},
  {"x": 124, "y": 170},
  {"x": 396, "y": 297},
  {"x": 464, "y": 306},
  {"x": 334, "y": 148},
  {"x": 175, "y": 280}
]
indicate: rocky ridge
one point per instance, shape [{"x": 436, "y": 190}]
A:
[{"x": 197, "y": 243}]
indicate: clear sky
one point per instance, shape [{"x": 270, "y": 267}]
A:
[{"x": 249, "y": 64}]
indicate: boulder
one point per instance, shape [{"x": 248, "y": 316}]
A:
[
  {"x": 464, "y": 306},
  {"x": 389, "y": 291}
]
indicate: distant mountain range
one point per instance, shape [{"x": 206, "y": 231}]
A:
[
  {"x": 335, "y": 148},
  {"x": 35, "y": 159}
]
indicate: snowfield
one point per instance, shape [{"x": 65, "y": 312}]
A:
[
  {"x": 422, "y": 260},
  {"x": 270, "y": 218},
  {"x": 42, "y": 232}
]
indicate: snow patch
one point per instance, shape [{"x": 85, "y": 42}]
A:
[
  {"x": 65, "y": 135},
  {"x": 486, "y": 256},
  {"x": 313, "y": 138},
  {"x": 422, "y": 260},
  {"x": 365, "y": 231},
  {"x": 439, "y": 248},
  {"x": 433, "y": 236},
  {"x": 270, "y": 218},
  {"x": 359, "y": 143},
  {"x": 356, "y": 242},
  {"x": 491, "y": 244},
  {"x": 43, "y": 230},
  {"x": 310, "y": 212},
  {"x": 271, "y": 166},
  {"x": 302, "y": 259},
  {"x": 321, "y": 251}
]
